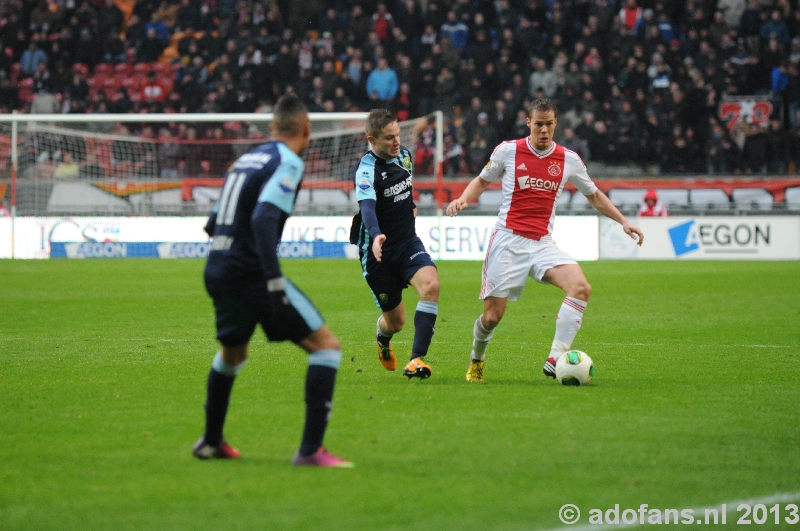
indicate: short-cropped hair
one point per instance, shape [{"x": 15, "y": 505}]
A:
[
  {"x": 542, "y": 105},
  {"x": 288, "y": 115},
  {"x": 377, "y": 120}
]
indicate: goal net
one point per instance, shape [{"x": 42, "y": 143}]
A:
[{"x": 174, "y": 165}]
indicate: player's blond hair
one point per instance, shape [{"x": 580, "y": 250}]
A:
[{"x": 377, "y": 120}]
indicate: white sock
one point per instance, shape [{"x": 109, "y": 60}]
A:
[
  {"x": 378, "y": 330},
  {"x": 568, "y": 323},
  {"x": 480, "y": 340}
]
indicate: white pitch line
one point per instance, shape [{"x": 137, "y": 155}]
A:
[{"x": 730, "y": 505}]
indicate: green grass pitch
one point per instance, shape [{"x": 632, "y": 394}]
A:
[{"x": 102, "y": 382}]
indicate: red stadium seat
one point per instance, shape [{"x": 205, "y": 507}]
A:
[
  {"x": 161, "y": 68},
  {"x": 133, "y": 84},
  {"x": 141, "y": 68},
  {"x": 104, "y": 68},
  {"x": 111, "y": 86},
  {"x": 96, "y": 81},
  {"x": 139, "y": 79},
  {"x": 16, "y": 72},
  {"x": 26, "y": 90},
  {"x": 130, "y": 55},
  {"x": 122, "y": 69},
  {"x": 81, "y": 67}
]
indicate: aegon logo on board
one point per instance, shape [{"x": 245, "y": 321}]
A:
[{"x": 719, "y": 238}]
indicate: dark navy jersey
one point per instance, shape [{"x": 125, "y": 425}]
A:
[
  {"x": 258, "y": 196},
  {"x": 389, "y": 183}
]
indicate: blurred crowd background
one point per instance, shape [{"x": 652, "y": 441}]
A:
[{"x": 641, "y": 84}]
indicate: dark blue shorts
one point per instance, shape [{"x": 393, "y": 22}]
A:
[
  {"x": 388, "y": 278},
  {"x": 241, "y": 305}
]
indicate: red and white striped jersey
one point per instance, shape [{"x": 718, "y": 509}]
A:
[{"x": 532, "y": 183}]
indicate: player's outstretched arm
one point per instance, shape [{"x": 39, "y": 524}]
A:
[
  {"x": 603, "y": 204},
  {"x": 473, "y": 190}
]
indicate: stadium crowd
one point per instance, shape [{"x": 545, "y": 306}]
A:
[{"x": 638, "y": 82}]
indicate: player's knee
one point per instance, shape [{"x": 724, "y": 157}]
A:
[
  {"x": 582, "y": 290},
  {"x": 395, "y": 324},
  {"x": 491, "y": 319},
  {"x": 430, "y": 290},
  {"x": 328, "y": 341},
  {"x": 331, "y": 343},
  {"x": 234, "y": 355}
]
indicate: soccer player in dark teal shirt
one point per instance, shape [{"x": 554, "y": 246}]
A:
[
  {"x": 243, "y": 277},
  {"x": 392, "y": 256}
]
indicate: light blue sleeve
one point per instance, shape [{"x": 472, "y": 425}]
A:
[
  {"x": 365, "y": 178},
  {"x": 281, "y": 189}
]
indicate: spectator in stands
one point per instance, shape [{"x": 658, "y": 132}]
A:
[
  {"x": 90, "y": 169},
  {"x": 775, "y": 26},
  {"x": 778, "y": 147},
  {"x": 572, "y": 142},
  {"x": 652, "y": 206},
  {"x": 542, "y": 78},
  {"x": 675, "y": 155},
  {"x": 477, "y": 153},
  {"x": 456, "y": 31},
  {"x": 382, "y": 84},
  {"x": 111, "y": 18},
  {"x": 191, "y": 154},
  {"x": 153, "y": 91},
  {"x": 754, "y": 151},
  {"x": 156, "y": 23},
  {"x": 151, "y": 47},
  {"x": 113, "y": 48},
  {"x": 169, "y": 154},
  {"x": 218, "y": 152},
  {"x": 189, "y": 94},
  {"x": 67, "y": 169},
  {"x": 134, "y": 32},
  {"x": 445, "y": 90},
  {"x": 87, "y": 50},
  {"x": 188, "y": 16},
  {"x": 722, "y": 153},
  {"x": 630, "y": 15},
  {"x": 602, "y": 144},
  {"x": 78, "y": 90},
  {"x": 9, "y": 94},
  {"x": 124, "y": 151},
  {"x": 42, "y": 80},
  {"x": 503, "y": 119},
  {"x": 44, "y": 102},
  {"x": 122, "y": 102},
  {"x": 32, "y": 57}
]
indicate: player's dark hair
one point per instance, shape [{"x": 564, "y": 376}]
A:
[
  {"x": 542, "y": 105},
  {"x": 377, "y": 120},
  {"x": 289, "y": 111}
]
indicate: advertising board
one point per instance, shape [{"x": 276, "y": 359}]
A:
[{"x": 706, "y": 238}]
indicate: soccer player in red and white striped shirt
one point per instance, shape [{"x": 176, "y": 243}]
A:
[{"x": 533, "y": 171}]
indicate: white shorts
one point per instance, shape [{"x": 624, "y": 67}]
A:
[{"x": 511, "y": 259}]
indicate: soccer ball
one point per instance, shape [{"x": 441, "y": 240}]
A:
[{"x": 574, "y": 368}]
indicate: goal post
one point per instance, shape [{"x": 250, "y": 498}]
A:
[{"x": 174, "y": 164}]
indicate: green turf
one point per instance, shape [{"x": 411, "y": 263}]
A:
[{"x": 102, "y": 382}]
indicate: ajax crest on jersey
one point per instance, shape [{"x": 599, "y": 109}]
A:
[{"x": 574, "y": 368}]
